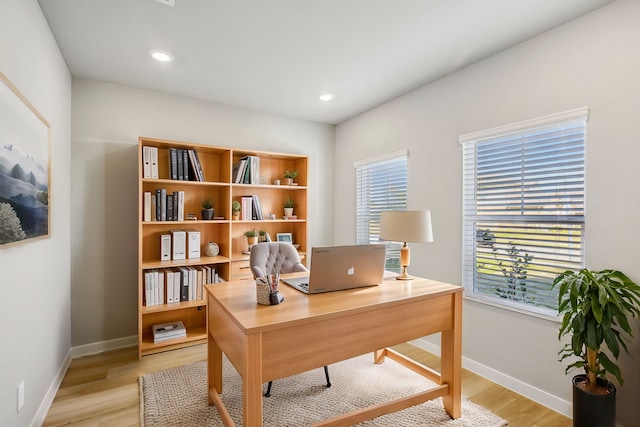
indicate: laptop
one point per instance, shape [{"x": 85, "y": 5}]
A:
[{"x": 335, "y": 268}]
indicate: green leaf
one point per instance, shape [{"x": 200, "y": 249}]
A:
[
  {"x": 597, "y": 310},
  {"x": 611, "y": 367},
  {"x": 576, "y": 344},
  {"x": 602, "y": 296},
  {"x": 612, "y": 342}
]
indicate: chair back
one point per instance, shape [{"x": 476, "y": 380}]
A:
[{"x": 274, "y": 257}]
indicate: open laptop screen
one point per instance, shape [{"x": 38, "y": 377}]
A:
[{"x": 336, "y": 268}]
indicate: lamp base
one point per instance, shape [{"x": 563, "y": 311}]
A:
[
  {"x": 404, "y": 275},
  {"x": 405, "y": 258}
]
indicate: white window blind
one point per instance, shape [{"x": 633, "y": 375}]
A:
[
  {"x": 381, "y": 185},
  {"x": 524, "y": 210}
]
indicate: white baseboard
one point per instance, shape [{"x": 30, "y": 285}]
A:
[
  {"x": 99, "y": 347},
  {"x": 47, "y": 400},
  {"x": 74, "y": 353},
  {"x": 530, "y": 392}
]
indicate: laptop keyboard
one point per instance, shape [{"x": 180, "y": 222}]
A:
[{"x": 305, "y": 286}]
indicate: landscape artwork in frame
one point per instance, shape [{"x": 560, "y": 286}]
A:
[{"x": 24, "y": 168}]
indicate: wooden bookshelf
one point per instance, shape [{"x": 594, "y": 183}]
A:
[{"x": 217, "y": 165}]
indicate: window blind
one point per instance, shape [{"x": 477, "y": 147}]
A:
[
  {"x": 381, "y": 185},
  {"x": 524, "y": 210}
]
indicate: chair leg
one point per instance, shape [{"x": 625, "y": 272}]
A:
[{"x": 326, "y": 374}]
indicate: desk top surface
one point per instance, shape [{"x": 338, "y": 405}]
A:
[{"x": 238, "y": 300}]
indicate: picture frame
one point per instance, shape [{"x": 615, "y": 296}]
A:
[
  {"x": 25, "y": 168},
  {"x": 284, "y": 237}
]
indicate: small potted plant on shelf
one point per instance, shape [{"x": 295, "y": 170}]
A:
[
  {"x": 235, "y": 210},
  {"x": 597, "y": 307},
  {"x": 252, "y": 237},
  {"x": 207, "y": 209},
  {"x": 288, "y": 207},
  {"x": 289, "y": 176}
]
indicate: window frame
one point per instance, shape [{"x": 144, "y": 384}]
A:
[{"x": 471, "y": 242}]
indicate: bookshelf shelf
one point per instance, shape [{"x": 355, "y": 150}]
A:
[
  {"x": 195, "y": 335},
  {"x": 203, "y": 260},
  {"x": 218, "y": 166},
  {"x": 175, "y": 306}
]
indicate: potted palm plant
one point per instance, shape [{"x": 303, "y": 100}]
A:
[{"x": 597, "y": 307}]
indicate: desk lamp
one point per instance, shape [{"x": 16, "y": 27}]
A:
[{"x": 406, "y": 226}]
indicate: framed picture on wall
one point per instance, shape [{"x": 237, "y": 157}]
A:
[
  {"x": 284, "y": 237},
  {"x": 25, "y": 172}
]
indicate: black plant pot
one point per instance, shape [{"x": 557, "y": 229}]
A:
[
  {"x": 207, "y": 214},
  {"x": 593, "y": 410}
]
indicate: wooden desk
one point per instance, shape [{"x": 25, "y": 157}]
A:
[{"x": 265, "y": 343}]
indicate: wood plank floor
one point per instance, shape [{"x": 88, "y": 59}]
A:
[{"x": 102, "y": 390}]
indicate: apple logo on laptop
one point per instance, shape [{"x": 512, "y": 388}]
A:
[{"x": 351, "y": 271}]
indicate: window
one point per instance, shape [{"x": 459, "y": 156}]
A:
[
  {"x": 381, "y": 185},
  {"x": 523, "y": 210}
]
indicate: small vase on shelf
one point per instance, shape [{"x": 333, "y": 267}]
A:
[{"x": 212, "y": 249}]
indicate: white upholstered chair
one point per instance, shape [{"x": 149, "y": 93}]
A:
[{"x": 276, "y": 257}]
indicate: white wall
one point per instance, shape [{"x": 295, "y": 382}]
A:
[
  {"x": 592, "y": 61},
  {"x": 35, "y": 278},
  {"x": 106, "y": 122}
]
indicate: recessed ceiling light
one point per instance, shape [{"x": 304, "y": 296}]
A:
[
  {"x": 161, "y": 55},
  {"x": 326, "y": 97},
  {"x": 167, "y": 2}
]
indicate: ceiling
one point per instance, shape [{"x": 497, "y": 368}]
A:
[{"x": 279, "y": 56}]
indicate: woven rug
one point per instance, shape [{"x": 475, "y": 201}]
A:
[{"x": 178, "y": 397}]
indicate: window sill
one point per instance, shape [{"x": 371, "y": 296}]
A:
[{"x": 541, "y": 314}]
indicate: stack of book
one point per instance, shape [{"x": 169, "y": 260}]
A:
[{"x": 168, "y": 331}]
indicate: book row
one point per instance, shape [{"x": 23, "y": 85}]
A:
[
  {"x": 173, "y": 285},
  {"x": 162, "y": 206},
  {"x": 247, "y": 170},
  {"x": 184, "y": 165},
  {"x": 251, "y": 208}
]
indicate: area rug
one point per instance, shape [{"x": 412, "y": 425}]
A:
[{"x": 178, "y": 397}]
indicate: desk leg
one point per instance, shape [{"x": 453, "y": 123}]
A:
[
  {"x": 214, "y": 368},
  {"x": 252, "y": 381},
  {"x": 451, "y": 359}
]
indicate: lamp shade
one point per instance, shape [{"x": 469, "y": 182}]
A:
[{"x": 406, "y": 226}]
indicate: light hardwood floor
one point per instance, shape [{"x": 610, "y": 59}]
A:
[{"x": 102, "y": 390}]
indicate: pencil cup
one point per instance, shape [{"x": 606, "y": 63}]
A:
[
  {"x": 265, "y": 296},
  {"x": 262, "y": 293}
]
